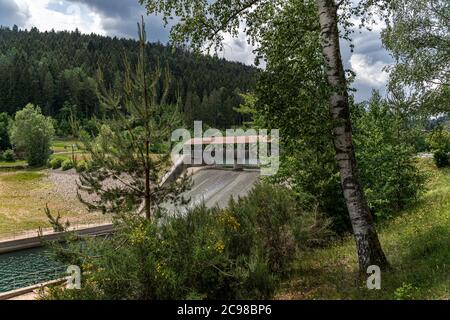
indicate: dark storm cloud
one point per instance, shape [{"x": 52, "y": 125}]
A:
[
  {"x": 120, "y": 17},
  {"x": 10, "y": 14},
  {"x": 112, "y": 8}
]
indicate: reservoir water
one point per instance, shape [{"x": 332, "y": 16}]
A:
[{"x": 28, "y": 267}]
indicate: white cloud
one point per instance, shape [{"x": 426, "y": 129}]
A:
[
  {"x": 238, "y": 49},
  {"x": 70, "y": 17},
  {"x": 369, "y": 72},
  {"x": 118, "y": 18}
]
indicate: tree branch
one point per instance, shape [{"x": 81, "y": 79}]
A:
[{"x": 231, "y": 17}]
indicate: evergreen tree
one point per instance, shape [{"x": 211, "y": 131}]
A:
[
  {"x": 4, "y": 137},
  {"x": 31, "y": 60},
  {"x": 204, "y": 23},
  {"x": 130, "y": 148},
  {"x": 385, "y": 152}
]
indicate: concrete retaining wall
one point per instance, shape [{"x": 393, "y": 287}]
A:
[{"x": 35, "y": 242}]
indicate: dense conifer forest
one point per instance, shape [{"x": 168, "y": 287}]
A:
[{"x": 59, "y": 71}]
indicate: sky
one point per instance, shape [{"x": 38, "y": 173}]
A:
[{"x": 119, "y": 18}]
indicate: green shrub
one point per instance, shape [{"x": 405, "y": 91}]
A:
[
  {"x": 56, "y": 163},
  {"x": 9, "y": 156},
  {"x": 439, "y": 141},
  {"x": 236, "y": 253},
  {"x": 405, "y": 292},
  {"x": 271, "y": 221},
  {"x": 4, "y": 137},
  {"x": 441, "y": 158},
  {"x": 66, "y": 165},
  {"x": 385, "y": 154},
  {"x": 32, "y": 132},
  {"x": 82, "y": 166}
]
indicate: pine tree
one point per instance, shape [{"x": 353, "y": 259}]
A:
[{"x": 130, "y": 155}]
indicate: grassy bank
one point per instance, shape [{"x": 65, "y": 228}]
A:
[
  {"x": 24, "y": 194},
  {"x": 417, "y": 243}
]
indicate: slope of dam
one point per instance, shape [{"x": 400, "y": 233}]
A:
[{"x": 215, "y": 187}]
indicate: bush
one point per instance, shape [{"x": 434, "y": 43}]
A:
[
  {"x": 4, "y": 137},
  {"x": 441, "y": 158},
  {"x": 56, "y": 163},
  {"x": 385, "y": 153},
  {"x": 439, "y": 141},
  {"x": 9, "y": 156},
  {"x": 270, "y": 221},
  {"x": 32, "y": 132},
  {"x": 236, "y": 253},
  {"x": 66, "y": 165},
  {"x": 82, "y": 166}
]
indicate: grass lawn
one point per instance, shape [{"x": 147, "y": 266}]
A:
[
  {"x": 61, "y": 148},
  {"x": 417, "y": 243},
  {"x": 24, "y": 194},
  {"x": 18, "y": 163},
  {"x": 79, "y": 156},
  {"x": 65, "y": 145}
]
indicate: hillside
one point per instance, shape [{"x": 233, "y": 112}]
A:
[
  {"x": 416, "y": 242},
  {"x": 58, "y": 72}
]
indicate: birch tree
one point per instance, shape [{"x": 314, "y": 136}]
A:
[{"x": 203, "y": 24}]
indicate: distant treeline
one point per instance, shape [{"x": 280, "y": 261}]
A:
[{"x": 58, "y": 71}]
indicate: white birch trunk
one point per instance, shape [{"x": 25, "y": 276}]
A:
[{"x": 367, "y": 242}]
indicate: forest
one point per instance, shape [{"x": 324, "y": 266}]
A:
[
  {"x": 358, "y": 208},
  {"x": 58, "y": 71}
]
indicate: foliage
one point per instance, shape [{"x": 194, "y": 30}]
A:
[
  {"x": 271, "y": 219},
  {"x": 415, "y": 242},
  {"x": 247, "y": 110},
  {"x": 58, "y": 72},
  {"x": 55, "y": 221},
  {"x": 441, "y": 158},
  {"x": 405, "y": 292},
  {"x": 439, "y": 139},
  {"x": 417, "y": 36},
  {"x": 82, "y": 166},
  {"x": 9, "y": 156},
  {"x": 67, "y": 165},
  {"x": 292, "y": 97},
  {"x": 32, "y": 132},
  {"x": 131, "y": 154},
  {"x": 4, "y": 137},
  {"x": 439, "y": 142},
  {"x": 385, "y": 153},
  {"x": 56, "y": 163},
  {"x": 236, "y": 253}
]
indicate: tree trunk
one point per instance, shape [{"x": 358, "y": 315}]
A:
[
  {"x": 367, "y": 243},
  {"x": 147, "y": 199},
  {"x": 148, "y": 213}
]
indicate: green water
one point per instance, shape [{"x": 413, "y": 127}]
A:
[{"x": 28, "y": 267}]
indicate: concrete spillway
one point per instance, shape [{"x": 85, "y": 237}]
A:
[{"x": 216, "y": 187}]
